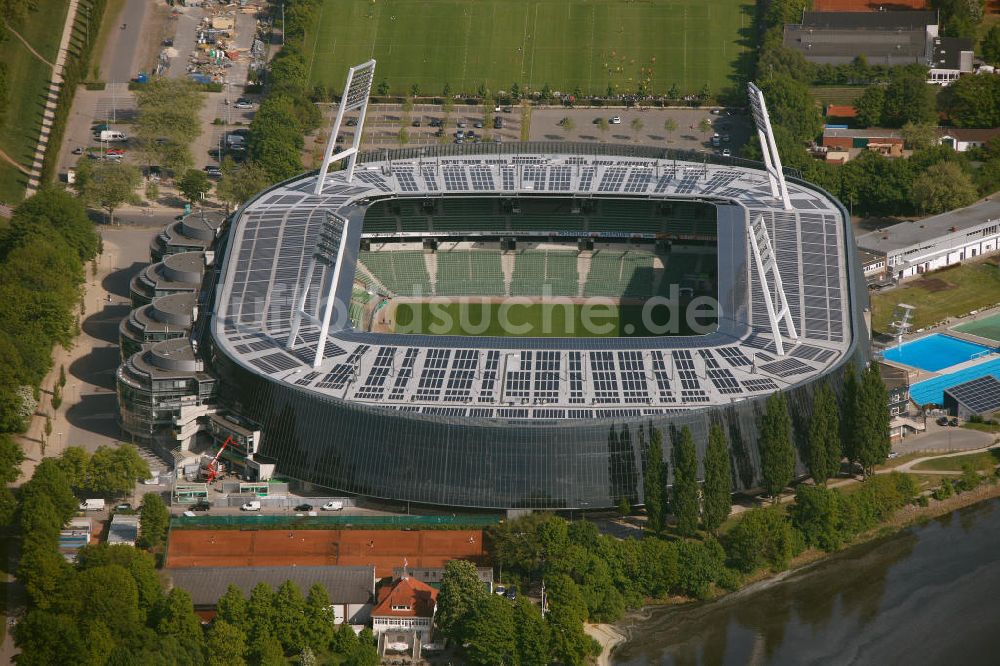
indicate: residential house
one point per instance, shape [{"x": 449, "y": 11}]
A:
[{"x": 405, "y": 612}]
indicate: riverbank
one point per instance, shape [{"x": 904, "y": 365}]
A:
[
  {"x": 609, "y": 636},
  {"x": 908, "y": 516}
]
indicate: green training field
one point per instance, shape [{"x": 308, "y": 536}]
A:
[
  {"x": 985, "y": 328},
  {"x": 531, "y": 320},
  {"x": 564, "y": 43}
]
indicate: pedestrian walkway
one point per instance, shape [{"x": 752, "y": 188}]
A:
[{"x": 51, "y": 101}]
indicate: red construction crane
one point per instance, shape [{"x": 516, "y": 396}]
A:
[{"x": 213, "y": 469}]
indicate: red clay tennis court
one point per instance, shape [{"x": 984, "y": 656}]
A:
[
  {"x": 865, "y": 5},
  {"x": 385, "y": 549}
]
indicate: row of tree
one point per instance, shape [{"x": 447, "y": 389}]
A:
[
  {"x": 42, "y": 256},
  {"x": 168, "y": 122}
]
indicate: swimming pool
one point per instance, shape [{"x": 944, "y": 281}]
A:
[{"x": 935, "y": 352}]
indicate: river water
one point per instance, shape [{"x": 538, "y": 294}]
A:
[{"x": 927, "y": 595}]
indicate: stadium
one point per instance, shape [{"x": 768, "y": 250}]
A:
[{"x": 421, "y": 326}]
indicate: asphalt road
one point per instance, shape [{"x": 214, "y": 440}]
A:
[{"x": 123, "y": 49}]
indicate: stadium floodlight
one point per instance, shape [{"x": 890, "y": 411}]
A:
[
  {"x": 355, "y": 97},
  {"x": 774, "y": 292},
  {"x": 329, "y": 256},
  {"x": 772, "y": 161}
]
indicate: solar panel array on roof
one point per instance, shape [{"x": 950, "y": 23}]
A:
[{"x": 981, "y": 395}]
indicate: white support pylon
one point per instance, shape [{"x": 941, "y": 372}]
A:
[
  {"x": 355, "y": 97},
  {"x": 777, "y": 304},
  {"x": 769, "y": 149}
]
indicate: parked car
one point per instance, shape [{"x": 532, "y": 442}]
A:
[
  {"x": 78, "y": 151},
  {"x": 498, "y": 123},
  {"x": 333, "y": 505},
  {"x": 726, "y": 152},
  {"x": 507, "y": 109},
  {"x": 953, "y": 422},
  {"x": 304, "y": 507},
  {"x": 942, "y": 420},
  {"x": 251, "y": 506},
  {"x": 416, "y": 123},
  {"x": 478, "y": 124},
  {"x": 124, "y": 506},
  {"x": 201, "y": 505},
  {"x": 616, "y": 120},
  {"x": 460, "y": 123},
  {"x": 351, "y": 122},
  {"x": 243, "y": 103},
  {"x": 114, "y": 151},
  {"x": 213, "y": 171}
]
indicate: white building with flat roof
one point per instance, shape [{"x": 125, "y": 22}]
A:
[{"x": 920, "y": 246}]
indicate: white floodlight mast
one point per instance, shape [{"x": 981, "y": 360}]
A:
[
  {"x": 769, "y": 149},
  {"x": 776, "y": 304},
  {"x": 355, "y": 97}
]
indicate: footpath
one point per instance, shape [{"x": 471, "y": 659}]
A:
[{"x": 51, "y": 100}]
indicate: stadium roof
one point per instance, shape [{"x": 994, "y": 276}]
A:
[
  {"x": 546, "y": 379},
  {"x": 345, "y": 585}
]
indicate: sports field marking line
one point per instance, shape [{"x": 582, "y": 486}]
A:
[
  {"x": 465, "y": 46},
  {"x": 534, "y": 32},
  {"x": 319, "y": 22},
  {"x": 377, "y": 17},
  {"x": 593, "y": 28},
  {"x": 524, "y": 45}
]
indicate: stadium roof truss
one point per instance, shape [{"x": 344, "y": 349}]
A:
[
  {"x": 772, "y": 160},
  {"x": 792, "y": 265}
]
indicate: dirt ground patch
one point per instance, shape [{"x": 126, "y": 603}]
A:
[
  {"x": 384, "y": 549},
  {"x": 934, "y": 284}
]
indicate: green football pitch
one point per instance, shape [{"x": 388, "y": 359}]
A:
[
  {"x": 533, "y": 320},
  {"x": 566, "y": 44}
]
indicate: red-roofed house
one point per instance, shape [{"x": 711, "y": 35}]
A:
[{"x": 405, "y": 612}]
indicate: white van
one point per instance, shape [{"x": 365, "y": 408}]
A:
[
  {"x": 250, "y": 506},
  {"x": 333, "y": 505},
  {"x": 92, "y": 505},
  {"x": 113, "y": 135}
]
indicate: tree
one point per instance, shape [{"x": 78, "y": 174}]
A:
[
  {"x": 232, "y": 607},
  {"x": 404, "y": 136},
  {"x": 240, "y": 182},
  {"x": 602, "y": 125},
  {"x": 909, "y": 98},
  {"x": 636, "y": 126},
  {"x": 873, "y": 419},
  {"x": 669, "y": 127},
  {"x": 567, "y": 613},
  {"x": 824, "y": 436},
  {"x": 919, "y": 135},
  {"x": 168, "y": 123},
  {"x": 973, "y": 101},
  {"x": 989, "y": 48},
  {"x": 762, "y": 537},
  {"x": 415, "y": 90},
  {"x": 225, "y": 644},
  {"x": 194, "y": 185},
  {"x": 175, "y": 617},
  {"x": 288, "y": 612},
  {"x": 850, "y": 433},
  {"x": 653, "y": 486},
  {"x": 817, "y": 515},
  {"x": 152, "y": 191},
  {"x": 699, "y": 564},
  {"x": 567, "y": 124},
  {"x": 777, "y": 457},
  {"x": 685, "y": 489},
  {"x": 531, "y": 634},
  {"x": 11, "y": 457},
  {"x": 705, "y": 126},
  {"x": 109, "y": 185},
  {"x": 461, "y": 591},
  {"x": 317, "y": 630},
  {"x": 490, "y": 632},
  {"x": 869, "y": 106},
  {"x": 718, "y": 480},
  {"x": 260, "y": 616},
  {"x": 154, "y": 519},
  {"x": 792, "y": 106},
  {"x": 114, "y": 470},
  {"x": 943, "y": 187}
]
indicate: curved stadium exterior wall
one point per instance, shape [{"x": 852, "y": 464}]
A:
[{"x": 392, "y": 454}]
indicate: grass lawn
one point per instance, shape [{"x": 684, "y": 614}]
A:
[
  {"x": 535, "y": 320},
  {"x": 941, "y": 294},
  {"x": 28, "y": 79},
  {"x": 982, "y": 427},
  {"x": 565, "y": 43},
  {"x": 983, "y": 461},
  {"x": 836, "y": 94}
]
